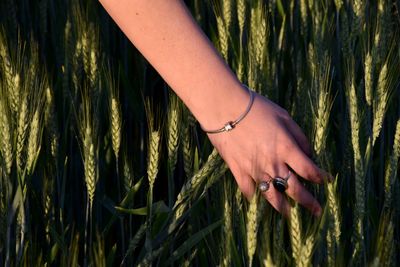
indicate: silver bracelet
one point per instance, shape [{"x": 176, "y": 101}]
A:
[{"x": 232, "y": 124}]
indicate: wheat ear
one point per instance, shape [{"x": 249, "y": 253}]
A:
[
  {"x": 34, "y": 141},
  {"x": 5, "y": 135},
  {"x": 154, "y": 157},
  {"x": 359, "y": 169},
  {"x": 116, "y": 125},
  {"x": 89, "y": 163},
  {"x": 252, "y": 227},
  {"x": 173, "y": 133},
  {"x": 211, "y": 164},
  {"x": 227, "y": 226},
  {"x": 51, "y": 122},
  {"x": 391, "y": 170},
  {"x": 223, "y": 37},
  {"x": 295, "y": 233},
  {"x": 22, "y": 131},
  {"x": 307, "y": 252},
  {"x": 380, "y": 102},
  {"x": 187, "y": 150},
  {"x": 369, "y": 78}
]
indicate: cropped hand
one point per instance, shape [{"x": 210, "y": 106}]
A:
[{"x": 267, "y": 143}]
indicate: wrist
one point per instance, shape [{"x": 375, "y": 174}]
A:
[
  {"x": 225, "y": 105},
  {"x": 231, "y": 124}
]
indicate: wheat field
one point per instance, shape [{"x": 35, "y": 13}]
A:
[{"x": 102, "y": 165}]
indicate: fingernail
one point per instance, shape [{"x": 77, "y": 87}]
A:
[{"x": 327, "y": 176}]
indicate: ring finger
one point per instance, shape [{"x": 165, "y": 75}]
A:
[
  {"x": 296, "y": 190},
  {"x": 276, "y": 199}
]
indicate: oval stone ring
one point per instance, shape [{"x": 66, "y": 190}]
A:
[
  {"x": 280, "y": 183},
  {"x": 263, "y": 186}
]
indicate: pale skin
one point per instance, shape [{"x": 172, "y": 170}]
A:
[{"x": 265, "y": 144}]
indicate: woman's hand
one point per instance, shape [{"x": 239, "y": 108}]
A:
[
  {"x": 267, "y": 143},
  {"x": 262, "y": 146}
]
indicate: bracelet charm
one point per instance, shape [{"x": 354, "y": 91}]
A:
[{"x": 230, "y": 125}]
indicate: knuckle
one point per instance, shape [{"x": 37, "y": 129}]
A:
[{"x": 288, "y": 147}]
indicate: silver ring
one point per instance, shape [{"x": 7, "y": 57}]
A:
[
  {"x": 280, "y": 183},
  {"x": 263, "y": 186}
]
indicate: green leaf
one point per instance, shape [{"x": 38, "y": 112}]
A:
[
  {"x": 191, "y": 242},
  {"x": 109, "y": 204},
  {"x": 138, "y": 211},
  {"x": 54, "y": 252},
  {"x": 111, "y": 256},
  {"x": 281, "y": 10},
  {"x": 158, "y": 207},
  {"x": 128, "y": 198}
]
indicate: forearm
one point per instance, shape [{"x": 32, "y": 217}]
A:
[{"x": 167, "y": 35}]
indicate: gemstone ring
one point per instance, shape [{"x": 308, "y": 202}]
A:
[{"x": 280, "y": 183}]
